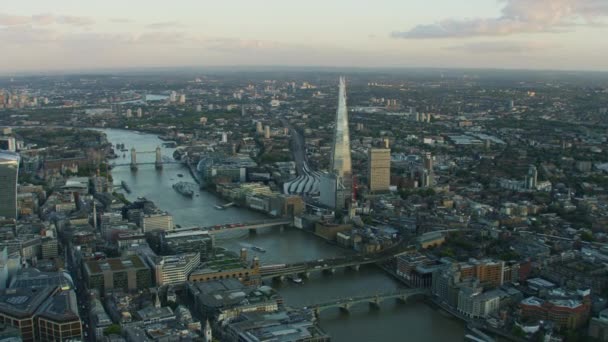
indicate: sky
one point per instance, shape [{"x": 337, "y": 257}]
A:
[{"x": 62, "y": 35}]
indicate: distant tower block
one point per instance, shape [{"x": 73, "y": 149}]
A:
[
  {"x": 159, "y": 161},
  {"x": 133, "y": 159},
  {"x": 267, "y": 132}
]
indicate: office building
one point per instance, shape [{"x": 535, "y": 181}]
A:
[
  {"x": 428, "y": 161},
  {"x": 8, "y": 144},
  {"x": 532, "y": 178},
  {"x": 188, "y": 241},
  {"x": 598, "y": 326},
  {"x": 379, "y": 169},
  {"x": 174, "y": 269},
  {"x": 223, "y": 300},
  {"x": 9, "y": 171},
  {"x": 267, "y": 132},
  {"x": 58, "y": 318},
  {"x": 41, "y": 314},
  {"x": 340, "y": 155},
  {"x": 565, "y": 313},
  {"x": 128, "y": 273},
  {"x": 156, "y": 222},
  {"x": 291, "y": 325},
  {"x": 226, "y": 267},
  {"x": 182, "y": 98}
]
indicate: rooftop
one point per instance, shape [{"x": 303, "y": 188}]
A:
[{"x": 115, "y": 264}]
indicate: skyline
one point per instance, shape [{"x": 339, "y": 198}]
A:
[{"x": 506, "y": 34}]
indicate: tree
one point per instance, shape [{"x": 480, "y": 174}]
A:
[{"x": 113, "y": 329}]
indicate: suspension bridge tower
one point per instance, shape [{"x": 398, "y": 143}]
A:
[
  {"x": 159, "y": 161},
  {"x": 133, "y": 159}
]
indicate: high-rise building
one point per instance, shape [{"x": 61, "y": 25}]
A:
[
  {"x": 9, "y": 170},
  {"x": 182, "y": 98},
  {"x": 267, "y": 132},
  {"x": 140, "y": 112},
  {"x": 129, "y": 113},
  {"x": 173, "y": 96},
  {"x": 532, "y": 177},
  {"x": 379, "y": 170},
  {"x": 428, "y": 161},
  {"x": 340, "y": 157}
]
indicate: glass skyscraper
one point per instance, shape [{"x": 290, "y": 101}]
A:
[
  {"x": 340, "y": 157},
  {"x": 9, "y": 169}
]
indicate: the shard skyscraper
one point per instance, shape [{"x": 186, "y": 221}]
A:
[{"x": 340, "y": 157}]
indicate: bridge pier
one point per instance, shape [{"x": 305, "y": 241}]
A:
[
  {"x": 133, "y": 159},
  {"x": 305, "y": 275},
  {"x": 375, "y": 303},
  {"x": 158, "y": 164},
  {"x": 355, "y": 267},
  {"x": 402, "y": 299},
  {"x": 253, "y": 231},
  {"x": 345, "y": 308},
  {"x": 281, "y": 229},
  {"x": 279, "y": 279},
  {"x": 330, "y": 270}
]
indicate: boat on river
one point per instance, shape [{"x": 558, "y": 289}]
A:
[
  {"x": 184, "y": 189},
  {"x": 258, "y": 249}
]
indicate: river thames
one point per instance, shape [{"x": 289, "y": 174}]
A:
[{"x": 413, "y": 321}]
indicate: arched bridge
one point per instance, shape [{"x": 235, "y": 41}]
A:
[
  {"x": 344, "y": 304},
  {"x": 280, "y": 271}
]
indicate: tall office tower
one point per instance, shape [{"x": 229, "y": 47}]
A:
[
  {"x": 9, "y": 170},
  {"x": 259, "y": 128},
  {"x": 425, "y": 179},
  {"x": 340, "y": 156},
  {"x": 532, "y": 178},
  {"x": 379, "y": 171},
  {"x": 428, "y": 161},
  {"x": 173, "y": 96},
  {"x": 140, "y": 112},
  {"x": 129, "y": 113},
  {"x": 182, "y": 98},
  {"x": 267, "y": 132},
  {"x": 427, "y": 175}
]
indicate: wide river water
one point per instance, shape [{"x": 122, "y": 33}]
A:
[{"x": 413, "y": 321}]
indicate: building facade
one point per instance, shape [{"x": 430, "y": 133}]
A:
[
  {"x": 379, "y": 171},
  {"x": 129, "y": 273},
  {"x": 9, "y": 170}
]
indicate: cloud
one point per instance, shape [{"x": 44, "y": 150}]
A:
[
  {"x": 120, "y": 20},
  {"x": 164, "y": 25},
  {"x": 43, "y": 20},
  {"x": 517, "y": 16},
  {"x": 75, "y": 20},
  {"x": 12, "y": 20},
  {"x": 500, "y": 47}
]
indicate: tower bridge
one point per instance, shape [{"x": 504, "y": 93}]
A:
[{"x": 158, "y": 163}]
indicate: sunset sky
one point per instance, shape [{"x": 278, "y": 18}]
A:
[{"x": 54, "y": 35}]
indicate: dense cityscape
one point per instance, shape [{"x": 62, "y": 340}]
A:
[{"x": 297, "y": 205}]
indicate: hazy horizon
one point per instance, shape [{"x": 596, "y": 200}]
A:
[{"x": 66, "y": 36}]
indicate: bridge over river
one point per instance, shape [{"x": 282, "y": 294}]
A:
[{"x": 374, "y": 300}]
